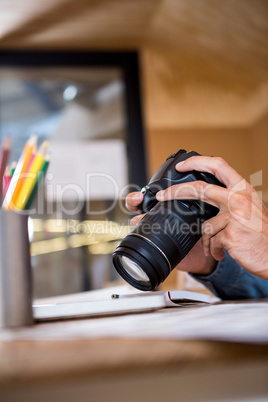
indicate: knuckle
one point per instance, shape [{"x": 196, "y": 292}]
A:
[
  {"x": 246, "y": 201},
  {"x": 200, "y": 186},
  {"x": 218, "y": 241},
  {"x": 201, "y": 190},
  {"x": 232, "y": 238},
  {"x": 220, "y": 162},
  {"x": 242, "y": 201}
]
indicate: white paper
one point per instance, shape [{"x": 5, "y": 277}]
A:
[
  {"x": 81, "y": 170},
  {"x": 56, "y": 308}
]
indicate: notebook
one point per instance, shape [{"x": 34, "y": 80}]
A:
[{"x": 62, "y": 308}]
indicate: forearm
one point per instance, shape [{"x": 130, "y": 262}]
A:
[{"x": 230, "y": 281}]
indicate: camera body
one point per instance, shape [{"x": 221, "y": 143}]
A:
[
  {"x": 168, "y": 231},
  {"x": 166, "y": 176}
]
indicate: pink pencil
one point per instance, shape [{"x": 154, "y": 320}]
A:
[
  {"x": 6, "y": 180},
  {"x": 5, "y": 150}
]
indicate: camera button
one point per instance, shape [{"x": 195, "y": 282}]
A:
[{"x": 171, "y": 156}]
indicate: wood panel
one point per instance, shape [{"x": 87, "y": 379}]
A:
[
  {"x": 233, "y": 145},
  {"x": 176, "y": 96},
  {"x": 246, "y": 150},
  {"x": 76, "y": 24},
  {"x": 205, "y": 62}
]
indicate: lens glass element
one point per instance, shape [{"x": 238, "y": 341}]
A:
[{"x": 133, "y": 269}]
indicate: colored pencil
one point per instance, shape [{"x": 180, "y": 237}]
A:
[
  {"x": 31, "y": 178},
  {"x": 13, "y": 167},
  {"x": 17, "y": 178},
  {"x": 5, "y": 150},
  {"x": 30, "y": 162},
  {"x": 6, "y": 180},
  {"x": 41, "y": 176}
]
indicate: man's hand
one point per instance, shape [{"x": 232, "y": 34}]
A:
[
  {"x": 195, "y": 261},
  {"x": 241, "y": 226}
]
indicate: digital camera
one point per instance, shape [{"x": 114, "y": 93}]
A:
[{"x": 168, "y": 231}]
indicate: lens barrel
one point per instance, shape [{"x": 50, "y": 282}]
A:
[
  {"x": 168, "y": 231},
  {"x": 159, "y": 242}
]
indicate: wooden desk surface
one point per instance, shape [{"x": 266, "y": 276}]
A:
[
  {"x": 34, "y": 364},
  {"x": 26, "y": 361}
]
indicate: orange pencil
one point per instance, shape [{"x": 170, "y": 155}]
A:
[
  {"x": 17, "y": 178},
  {"x": 30, "y": 162},
  {"x": 32, "y": 177}
]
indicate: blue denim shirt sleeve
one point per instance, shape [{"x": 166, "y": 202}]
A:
[{"x": 230, "y": 281}]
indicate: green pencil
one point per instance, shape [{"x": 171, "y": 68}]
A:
[
  {"x": 13, "y": 167},
  {"x": 41, "y": 175}
]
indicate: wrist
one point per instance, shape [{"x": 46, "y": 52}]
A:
[{"x": 208, "y": 267}]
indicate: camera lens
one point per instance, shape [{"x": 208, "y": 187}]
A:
[
  {"x": 147, "y": 255},
  {"x": 133, "y": 269}
]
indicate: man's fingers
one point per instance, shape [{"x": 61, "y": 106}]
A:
[
  {"x": 136, "y": 220},
  {"x": 197, "y": 190},
  {"x": 133, "y": 200},
  {"x": 216, "y": 246},
  {"x": 211, "y": 228},
  {"x": 216, "y": 166}
]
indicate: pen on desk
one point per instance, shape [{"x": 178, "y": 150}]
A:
[
  {"x": 5, "y": 150},
  {"x": 116, "y": 296},
  {"x": 32, "y": 177},
  {"x": 16, "y": 180},
  {"x": 41, "y": 176}
]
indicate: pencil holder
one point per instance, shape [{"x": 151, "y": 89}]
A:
[{"x": 15, "y": 271}]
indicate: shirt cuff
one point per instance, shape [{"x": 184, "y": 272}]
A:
[{"x": 230, "y": 281}]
